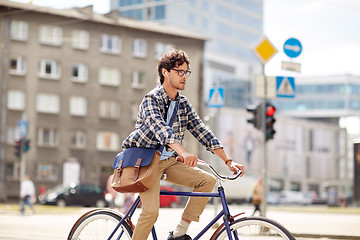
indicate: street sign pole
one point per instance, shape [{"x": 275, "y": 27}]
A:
[
  {"x": 264, "y": 51},
  {"x": 22, "y": 162},
  {"x": 23, "y": 129},
  {"x": 264, "y": 146}
]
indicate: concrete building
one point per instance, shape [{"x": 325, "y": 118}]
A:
[
  {"x": 333, "y": 99},
  {"x": 304, "y": 156},
  {"x": 231, "y": 27},
  {"x": 77, "y": 78}
]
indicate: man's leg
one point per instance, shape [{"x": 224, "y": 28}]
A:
[
  {"x": 195, "y": 178},
  {"x": 22, "y": 206},
  {"x": 150, "y": 208}
]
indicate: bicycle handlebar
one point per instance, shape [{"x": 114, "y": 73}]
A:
[{"x": 224, "y": 178}]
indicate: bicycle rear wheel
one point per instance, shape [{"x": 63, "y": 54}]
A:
[
  {"x": 98, "y": 225},
  {"x": 255, "y": 228}
]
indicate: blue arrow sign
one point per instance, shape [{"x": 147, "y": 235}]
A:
[
  {"x": 292, "y": 47},
  {"x": 22, "y": 127},
  {"x": 216, "y": 97}
]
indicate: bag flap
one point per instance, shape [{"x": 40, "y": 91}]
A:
[{"x": 131, "y": 155}]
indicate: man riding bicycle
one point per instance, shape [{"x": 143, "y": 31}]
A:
[{"x": 152, "y": 129}]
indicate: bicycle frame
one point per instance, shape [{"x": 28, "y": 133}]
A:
[{"x": 225, "y": 213}]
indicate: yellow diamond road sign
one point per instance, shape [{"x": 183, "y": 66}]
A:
[{"x": 265, "y": 50}]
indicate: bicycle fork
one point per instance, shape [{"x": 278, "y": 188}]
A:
[{"x": 128, "y": 215}]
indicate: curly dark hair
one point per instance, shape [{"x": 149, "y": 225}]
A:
[{"x": 171, "y": 59}]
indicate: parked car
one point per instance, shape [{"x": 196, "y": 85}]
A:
[
  {"x": 72, "y": 194},
  {"x": 294, "y": 197},
  {"x": 168, "y": 201},
  {"x": 273, "y": 198}
]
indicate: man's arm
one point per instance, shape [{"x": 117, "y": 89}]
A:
[
  {"x": 191, "y": 160},
  {"x": 233, "y": 166}
]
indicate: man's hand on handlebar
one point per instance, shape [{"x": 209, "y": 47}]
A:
[
  {"x": 189, "y": 159},
  {"x": 236, "y": 167}
]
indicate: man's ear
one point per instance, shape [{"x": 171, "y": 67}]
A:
[{"x": 164, "y": 72}]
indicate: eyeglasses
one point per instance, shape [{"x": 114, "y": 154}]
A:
[{"x": 182, "y": 72}]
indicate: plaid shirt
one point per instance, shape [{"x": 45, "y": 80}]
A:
[{"x": 151, "y": 130}]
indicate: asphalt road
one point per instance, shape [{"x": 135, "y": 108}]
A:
[{"x": 298, "y": 220}]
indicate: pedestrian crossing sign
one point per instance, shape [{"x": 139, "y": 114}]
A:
[
  {"x": 285, "y": 87},
  {"x": 216, "y": 97}
]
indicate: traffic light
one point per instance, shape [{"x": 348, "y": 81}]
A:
[
  {"x": 256, "y": 120},
  {"x": 269, "y": 121},
  {"x": 21, "y": 146},
  {"x": 18, "y": 148},
  {"x": 26, "y": 144}
]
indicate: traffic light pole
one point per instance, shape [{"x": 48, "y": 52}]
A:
[
  {"x": 265, "y": 162},
  {"x": 22, "y": 161}
]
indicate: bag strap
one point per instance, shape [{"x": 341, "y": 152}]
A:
[
  {"x": 137, "y": 169},
  {"x": 120, "y": 171},
  {"x": 171, "y": 122}
]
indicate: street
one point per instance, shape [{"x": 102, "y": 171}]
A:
[{"x": 56, "y": 226}]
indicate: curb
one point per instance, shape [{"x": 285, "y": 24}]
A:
[{"x": 325, "y": 236}]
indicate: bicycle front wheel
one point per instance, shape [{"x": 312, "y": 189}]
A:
[
  {"x": 255, "y": 228},
  {"x": 99, "y": 225}
]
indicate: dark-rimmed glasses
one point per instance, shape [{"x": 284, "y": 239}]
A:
[{"x": 182, "y": 72}]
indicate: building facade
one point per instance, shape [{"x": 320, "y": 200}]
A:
[
  {"x": 77, "y": 79},
  {"x": 304, "y": 156},
  {"x": 333, "y": 99},
  {"x": 232, "y": 28}
]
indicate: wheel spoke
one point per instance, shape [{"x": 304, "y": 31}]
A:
[
  {"x": 99, "y": 225},
  {"x": 256, "y": 228}
]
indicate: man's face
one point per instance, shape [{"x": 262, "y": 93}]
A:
[{"x": 177, "y": 76}]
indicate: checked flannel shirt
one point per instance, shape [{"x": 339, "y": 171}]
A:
[{"x": 151, "y": 130}]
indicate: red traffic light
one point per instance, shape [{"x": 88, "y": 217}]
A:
[{"x": 270, "y": 110}]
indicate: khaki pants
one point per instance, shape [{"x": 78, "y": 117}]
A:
[{"x": 177, "y": 173}]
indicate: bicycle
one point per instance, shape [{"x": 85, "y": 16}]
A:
[{"x": 108, "y": 224}]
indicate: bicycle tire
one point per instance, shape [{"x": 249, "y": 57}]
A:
[
  {"x": 98, "y": 225},
  {"x": 252, "y": 228}
]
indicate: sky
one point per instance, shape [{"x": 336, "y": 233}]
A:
[{"x": 329, "y": 31}]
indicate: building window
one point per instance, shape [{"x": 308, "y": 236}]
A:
[
  {"x": 50, "y": 35},
  {"x": 78, "y": 139},
  {"x": 110, "y": 44},
  {"x": 78, "y": 106},
  {"x": 49, "y": 69},
  {"x": 108, "y": 141},
  {"x": 79, "y": 73},
  {"x": 161, "y": 48},
  {"x": 16, "y": 100},
  {"x": 160, "y": 12},
  {"x": 80, "y": 39},
  {"x": 138, "y": 80},
  {"x": 109, "y": 109},
  {"x": 48, "y": 137},
  {"x": 17, "y": 65},
  {"x": 47, "y": 171},
  {"x": 109, "y": 76},
  {"x": 139, "y": 48},
  {"x": 47, "y": 103},
  {"x": 13, "y": 134},
  {"x": 19, "y": 30}
]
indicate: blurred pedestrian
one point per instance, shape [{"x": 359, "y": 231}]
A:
[
  {"x": 27, "y": 193},
  {"x": 257, "y": 196}
]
